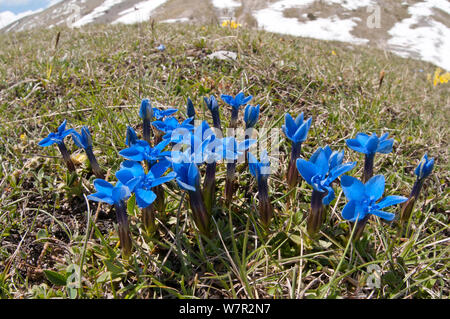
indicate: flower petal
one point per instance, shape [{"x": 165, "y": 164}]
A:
[
  {"x": 374, "y": 187},
  {"x": 355, "y": 145},
  {"x": 385, "y": 215},
  {"x": 349, "y": 211},
  {"x": 306, "y": 169},
  {"x": 101, "y": 197},
  {"x": 144, "y": 197},
  {"x": 103, "y": 186},
  {"x": 353, "y": 188},
  {"x": 391, "y": 200}
]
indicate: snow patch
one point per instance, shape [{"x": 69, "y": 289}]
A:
[
  {"x": 331, "y": 28},
  {"x": 97, "y": 12},
  {"x": 422, "y": 37},
  {"x": 226, "y": 4},
  {"x": 140, "y": 12}
]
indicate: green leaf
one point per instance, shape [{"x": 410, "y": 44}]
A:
[
  {"x": 131, "y": 205},
  {"x": 41, "y": 234},
  {"x": 104, "y": 277},
  {"x": 55, "y": 278}
]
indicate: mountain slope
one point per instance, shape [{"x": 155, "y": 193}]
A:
[{"x": 419, "y": 29}]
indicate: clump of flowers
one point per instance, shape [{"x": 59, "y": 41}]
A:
[
  {"x": 320, "y": 171},
  {"x": 439, "y": 78}
]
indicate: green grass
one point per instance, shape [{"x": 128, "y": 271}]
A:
[{"x": 97, "y": 76}]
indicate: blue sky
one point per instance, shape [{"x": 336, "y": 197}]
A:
[{"x": 19, "y": 6}]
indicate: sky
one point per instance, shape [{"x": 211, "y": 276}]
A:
[{"x": 20, "y": 6}]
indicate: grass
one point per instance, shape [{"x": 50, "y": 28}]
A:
[{"x": 51, "y": 236}]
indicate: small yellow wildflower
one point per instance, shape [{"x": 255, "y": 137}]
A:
[
  {"x": 231, "y": 24},
  {"x": 440, "y": 78},
  {"x": 23, "y": 137},
  {"x": 333, "y": 52}
]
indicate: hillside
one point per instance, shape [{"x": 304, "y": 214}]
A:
[
  {"x": 417, "y": 29},
  {"x": 97, "y": 76}
]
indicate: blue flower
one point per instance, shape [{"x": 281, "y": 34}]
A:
[
  {"x": 190, "y": 110},
  {"x": 251, "y": 115},
  {"x": 211, "y": 103},
  {"x": 161, "y": 47},
  {"x": 83, "y": 140},
  {"x": 107, "y": 193},
  {"x": 171, "y": 125},
  {"x": 259, "y": 169},
  {"x": 160, "y": 114},
  {"x": 141, "y": 151},
  {"x": 229, "y": 149},
  {"x": 132, "y": 175},
  {"x": 57, "y": 137},
  {"x": 322, "y": 169},
  {"x": 146, "y": 111},
  {"x": 296, "y": 130},
  {"x": 368, "y": 145},
  {"x": 363, "y": 198},
  {"x": 131, "y": 137},
  {"x": 188, "y": 175},
  {"x": 425, "y": 167},
  {"x": 237, "y": 101}
]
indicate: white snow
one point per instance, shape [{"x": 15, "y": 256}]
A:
[
  {"x": 226, "y": 4},
  {"x": 97, "y": 12},
  {"x": 331, "y": 28},
  {"x": 352, "y": 4},
  {"x": 140, "y": 12},
  {"x": 175, "y": 20},
  {"x": 430, "y": 41}
]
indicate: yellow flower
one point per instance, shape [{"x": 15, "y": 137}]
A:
[
  {"x": 438, "y": 78},
  {"x": 231, "y": 24},
  {"x": 333, "y": 52},
  {"x": 23, "y": 137}
]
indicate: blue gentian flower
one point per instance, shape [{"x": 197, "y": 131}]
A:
[
  {"x": 171, "y": 125},
  {"x": 132, "y": 175},
  {"x": 188, "y": 178},
  {"x": 146, "y": 110},
  {"x": 363, "y": 201},
  {"x": 296, "y": 131},
  {"x": 117, "y": 196},
  {"x": 422, "y": 171},
  {"x": 320, "y": 171},
  {"x": 190, "y": 110},
  {"x": 141, "y": 151},
  {"x": 161, "y": 114},
  {"x": 370, "y": 145},
  {"x": 261, "y": 171},
  {"x": 235, "y": 103},
  {"x": 366, "y": 144},
  {"x": 425, "y": 167},
  {"x": 131, "y": 136},
  {"x": 161, "y": 47},
  {"x": 251, "y": 115},
  {"x": 58, "y": 139},
  {"x": 213, "y": 107},
  {"x": 84, "y": 141}
]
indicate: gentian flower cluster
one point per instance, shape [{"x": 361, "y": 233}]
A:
[{"x": 322, "y": 169}]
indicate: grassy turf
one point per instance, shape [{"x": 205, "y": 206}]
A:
[{"x": 96, "y": 76}]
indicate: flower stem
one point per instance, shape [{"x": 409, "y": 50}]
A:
[
  {"x": 316, "y": 214},
  {"x": 209, "y": 186},
  {"x": 94, "y": 164},
  {"x": 409, "y": 204},
  {"x": 229, "y": 182},
  {"x": 199, "y": 213},
  {"x": 147, "y": 132},
  {"x": 359, "y": 227},
  {"x": 265, "y": 207},
  {"x": 66, "y": 157},
  {"x": 124, "y": 229},
  {"x": 368, "y": 167},
  {"x": 148, "y": 219},
  {"x": 292, "y": 175}
]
